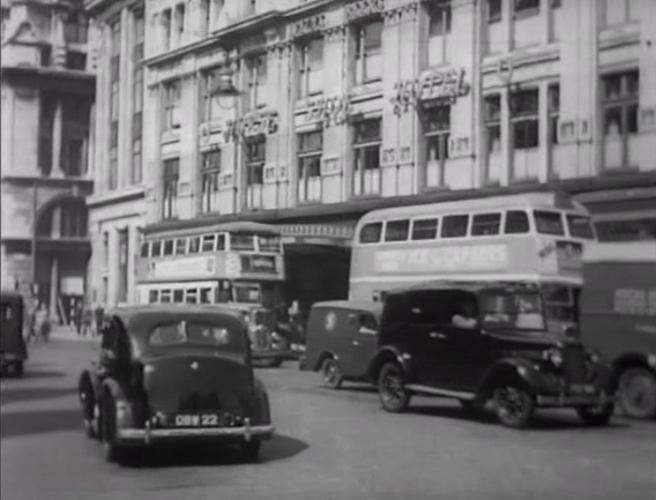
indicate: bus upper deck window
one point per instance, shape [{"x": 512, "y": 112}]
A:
[
  {"x": 424, "y": 229},
  {"x": 168, "y": 247},
  {"x": 486, "y": 224},
  {"x": 579, "y": 226},
  {"x": 371, "y": 232},
  {"x": 242, "y": 241},
  {"x": 181, "y": 246},
  {"x": 153, "y": 296},
  {"x": 549, "y": 222},
  {"x": 397, "y": 230},
  {"x": 455, "y": 226},
  {"x": 178, "y": 296},
  {"x": 208, "y": 242},
  {"x": 205, "y": 295},
  {"x": 194, "y": 244},
  {"x": 220, "y": 241},
  {"x": 144, "y": 249},
  {"x": 156, "y": 249},
  {"x": 516, "y": 222}
]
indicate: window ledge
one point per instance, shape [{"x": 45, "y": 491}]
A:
[{"x": 526, "y": 13}]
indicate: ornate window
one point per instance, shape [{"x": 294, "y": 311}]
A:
[
  {"x": 439, "y": 18},
  {"x": 366, "y": 152},
  {"x": 368, "y": 52},
  {"x": 171, "y": 174},
  {"x": 210, "y": 171},
  {"x": 311, "y": 67},
  {"x": 310, "y": 149},
  {"x": 524, "y": 117},
  {"x": 620, "y": 93},
  {"x": 114, "y": 79},
  {"x": 255, "y": 158},
  {"x": 137, "y": 96},
  {"x": 257, "y": 74},
  {"x": 172, "y": 96},
  {"x": 437, "y": 125}
]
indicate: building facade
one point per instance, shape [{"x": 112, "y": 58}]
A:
[
  {"x": 346, "y": 106},
  {"x": 117, "y": 207},
  {"x": 47, "y": 103}
]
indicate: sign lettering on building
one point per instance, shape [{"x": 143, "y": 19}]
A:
[
  {"x": 335, "y": 231},
  {"x": 440, "y": 85},
  {"x": 252, "y": 124},
  {"x": 447, "y": 259},
  {"x": 328, "y": 110},
  {"x": 182, "y": 267},
  {"x": 258, "y": 264}
]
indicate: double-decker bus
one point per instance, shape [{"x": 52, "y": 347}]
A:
[
  {"x": 536, "y": 237},
  {"x": 231, "y": 262}
]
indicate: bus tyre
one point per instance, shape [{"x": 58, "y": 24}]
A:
[
  {"x": 394, "y": 397},
  {"x": 514, "y": 405},
  {"x": 637, "y": 392},
  {"x": 331, "y": 374},
  {"x": 598, "y": 416}
]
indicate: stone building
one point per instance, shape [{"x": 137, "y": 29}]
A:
[
  {"x": 47, "y": 100},
  {"x": 117, "y": 207},
  {"x": 346, "y": 106}
]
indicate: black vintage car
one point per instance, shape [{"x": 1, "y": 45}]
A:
[
  {"x": 13, "y": 351},
  {"x": 481, "y": 342},
  {"x": 174, "y": 373}
]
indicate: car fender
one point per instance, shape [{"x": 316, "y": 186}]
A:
[
  {"x": 386, "y": 353},
  {"x": 262, "y": 409},
  {"x": 521, "y": 368},
  {"x": 124, "y": 413},
  {"x": 316, "y": 366}
]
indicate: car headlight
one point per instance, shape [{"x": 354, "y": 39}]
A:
[
  {"x": 554, "y": 356},
  {"x": 276, "y": 337},
  {"x": 593, "y": 356}
]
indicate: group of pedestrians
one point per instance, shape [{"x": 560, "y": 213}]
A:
[
  {"x": 39, "y": 325},
  {"x": 87, "y": 321}
]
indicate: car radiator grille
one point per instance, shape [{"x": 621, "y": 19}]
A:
[
  {"x": 261, "y": 340},
  {"x": 574, "y": 364}
]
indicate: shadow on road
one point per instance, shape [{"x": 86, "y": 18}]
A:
[
  {"x": 539, "y": 422},
  {"x": 16, "y": 395},
  {"x": 13, "y": 424},
  {"x": 278, "y": 448}
]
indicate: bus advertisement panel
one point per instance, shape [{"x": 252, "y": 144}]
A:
[{"x": 536, "y": 237}]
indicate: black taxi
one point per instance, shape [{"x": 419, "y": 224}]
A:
[
  {"x": 13, "y": 351},
  {"x": 480, "y": 342},
  {"x": 174, "y": 373}
]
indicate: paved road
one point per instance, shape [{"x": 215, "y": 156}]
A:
[{"x": 330, "y": 445}]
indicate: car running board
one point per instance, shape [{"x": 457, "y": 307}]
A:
[{"x": 440, "y": 392}]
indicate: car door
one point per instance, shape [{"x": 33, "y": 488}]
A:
[
  {"x": 362, "y": 343},
  {"x": 463, "y": 341}
]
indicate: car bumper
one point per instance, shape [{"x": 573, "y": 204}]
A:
[
  {"x": 565, "y": 400},
  {"x": 257, "y": 355},
  {"x": 148, "y": 435}
]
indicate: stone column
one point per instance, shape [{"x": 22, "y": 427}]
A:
[{"x": 57, "y": 140}]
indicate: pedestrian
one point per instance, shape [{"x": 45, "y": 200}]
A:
[
  {"x": 99, "y": 314},
  {"x": 42, "y": 322},
  {"x": 31, "y": 322},
  {"x": 78, "y": 316},
  {"x": 87, "y": 318}
]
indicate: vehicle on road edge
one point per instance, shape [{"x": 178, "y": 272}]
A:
[
  {"x": 13, "y": 349},
  {"x": 174, "y": 373},
  {"x": 477, "y": 342}
]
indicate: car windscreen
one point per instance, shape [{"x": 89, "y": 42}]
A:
[
  {"x": 221, "y": 336},
  {"x": 517, "y": 311}
]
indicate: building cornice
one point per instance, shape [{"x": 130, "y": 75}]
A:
[{"x": 114, "y": 197}]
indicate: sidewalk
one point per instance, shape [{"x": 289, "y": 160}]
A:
[{"x": 66, "y": 332}]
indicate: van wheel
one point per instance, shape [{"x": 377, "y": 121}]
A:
[
  {"x": 331, "y": 374},
  {"x": 393, "y": 396},
  {"x": 514, "y": 405},
  {"x": 592, "y": 415},
  {"x": 637, "y": 392}
]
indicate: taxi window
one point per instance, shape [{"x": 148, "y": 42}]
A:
[{"x": 198, "y": 333}]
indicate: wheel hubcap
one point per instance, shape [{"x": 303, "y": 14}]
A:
[
  {"x": 638, "y": 392},
  {"x": 511, "y": 403},
  {"x": 392, "y": 387},
  {"x": 330, "y": 373}
]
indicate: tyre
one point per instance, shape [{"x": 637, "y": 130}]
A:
[
  {"x": 331, "y": 375},
  {"x": 111, "y": 449},
  {"x": 18, "y": 369},
  {"x": 637, "y": 393},
  {"x": 275, "y": 362},
  {"x": 514, "y": 405},
  {"x": 250, "y": 450},
  {"x": 394, "y": 398},
  {"x": 591, "y": 415},
  {"x": 470, "y": 406}
]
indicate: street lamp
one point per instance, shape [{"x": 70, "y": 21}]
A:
[{"x": 225, "y": 88}]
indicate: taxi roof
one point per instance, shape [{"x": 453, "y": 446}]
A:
[
  {"x": 468, "y": 286},
  {"x": 362, "y": 305}
]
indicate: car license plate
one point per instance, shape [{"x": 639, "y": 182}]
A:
[{"x": 197, "y": 420}]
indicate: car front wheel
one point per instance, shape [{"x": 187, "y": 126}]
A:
[
  {"x": 393, "y": 396},
  {"x": 637, "y": 393},
  {"x": 514, "y": 405},
  {"x": 593, "y": 415},
  {"x": 331, "y": 374}
]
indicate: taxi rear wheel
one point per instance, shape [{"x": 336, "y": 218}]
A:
[
  {"x": 637, "y": 393},
  {"x": 111, "y": 450},
  {"x": 331, "y": 375}
]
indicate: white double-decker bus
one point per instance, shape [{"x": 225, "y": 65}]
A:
[{"x": 535, "y": 237}]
